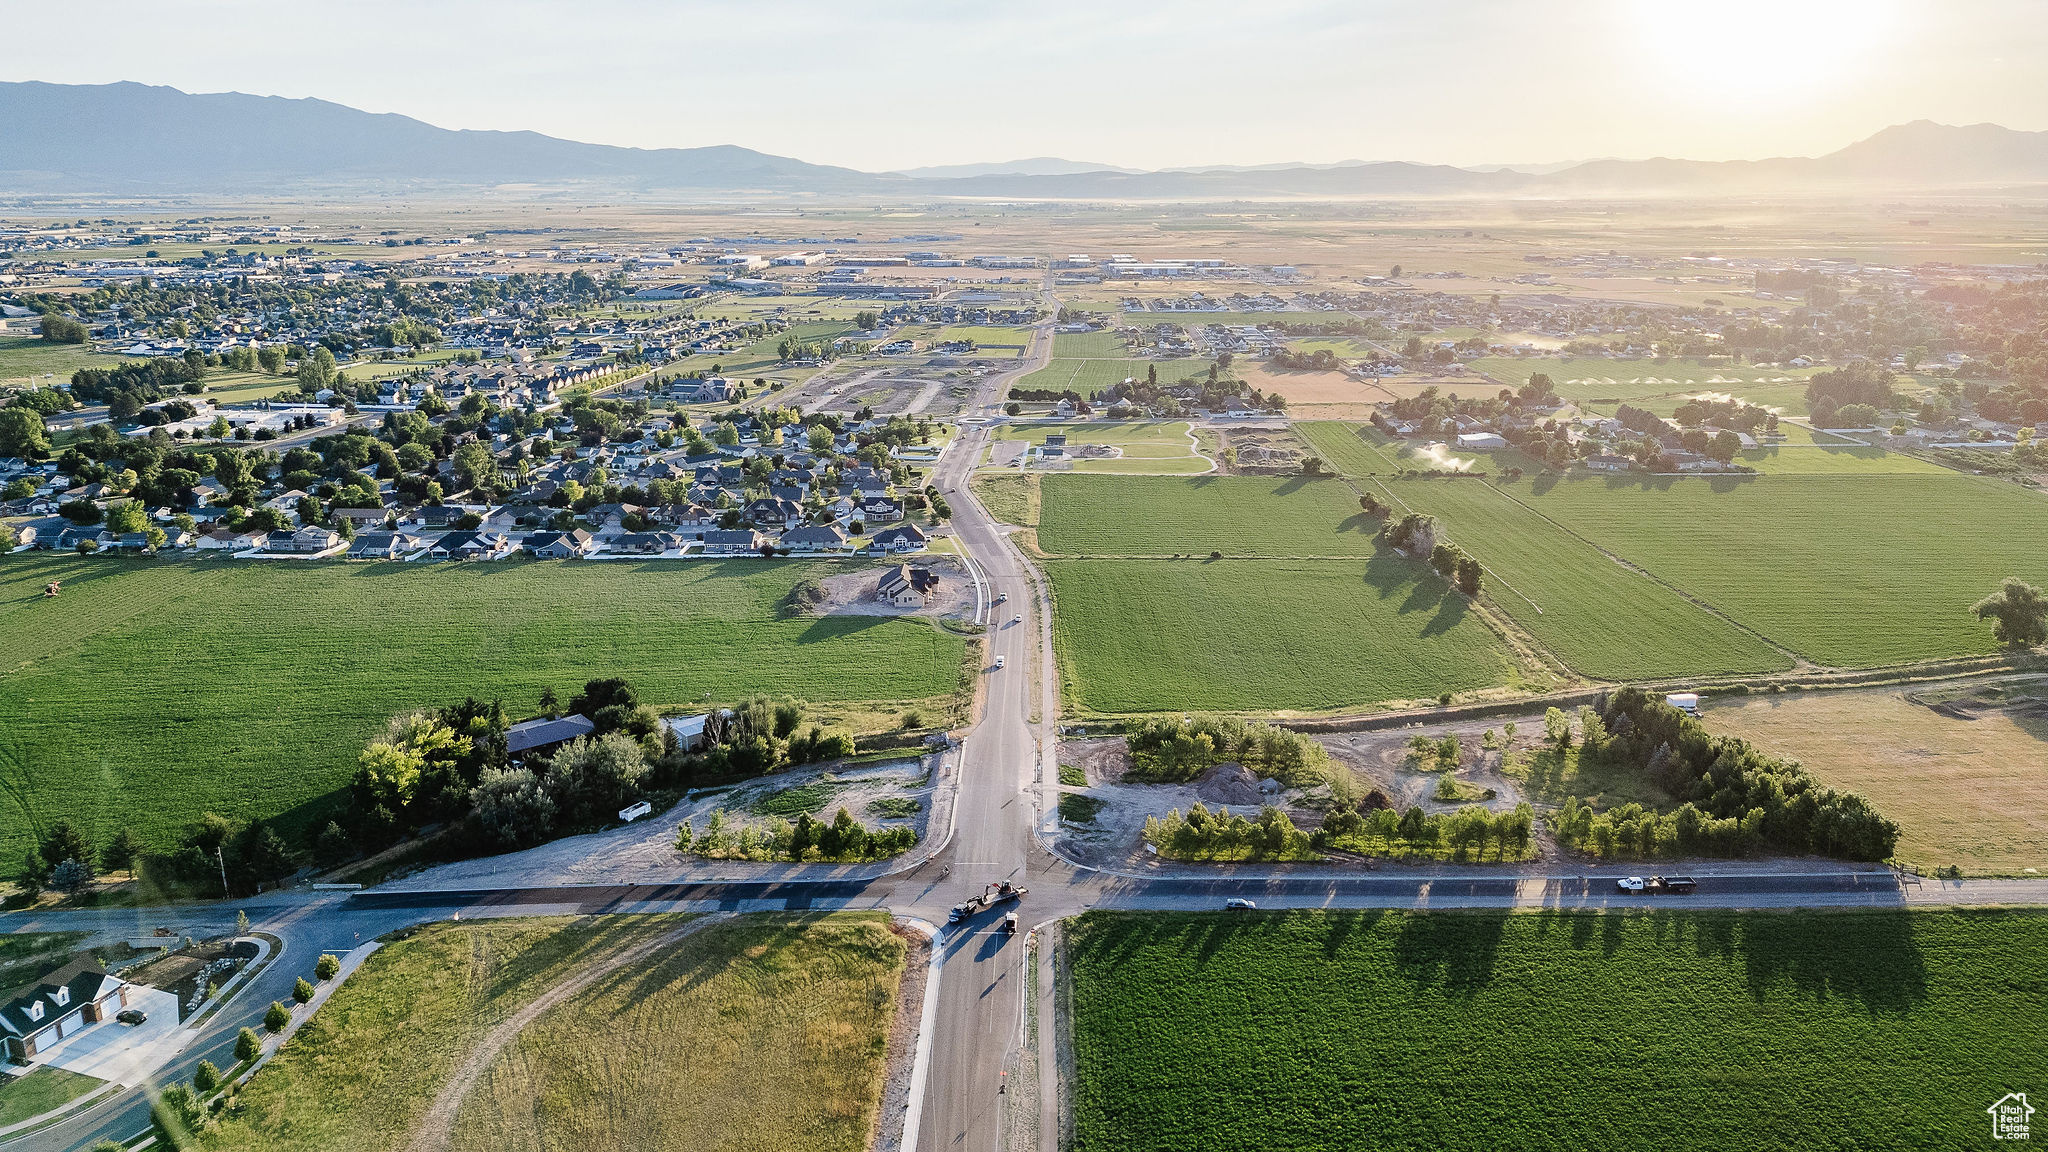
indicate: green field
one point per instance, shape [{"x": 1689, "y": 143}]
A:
[
  {"x": 44, "y": 1089},
  {"x": 27, "y": 359},
  {"x": 704, "y": 1045},
  {"x": 1089, "y": 346},
  {"x": 1351, "y": 449},
  {"x": 1256, "y": 635},
  {"x": 1148, "y": 447},
  {"x": 1839, "y": 569},
  {"x": 1089, "y": 376},
  {"x": 149, "y": 693},
  {"x": 1829, "y": 460},
  {"x": 1437, "y": 1032},
  {"x": 1236, "y": 515},
  {"x": 1601, "y": 618},
  {"x": 1596, "y": 378}
]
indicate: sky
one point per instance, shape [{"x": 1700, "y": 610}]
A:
[{"x": 882, "y": 86}]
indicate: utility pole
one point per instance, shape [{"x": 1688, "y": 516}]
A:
[{"x": 222, "y": 861}]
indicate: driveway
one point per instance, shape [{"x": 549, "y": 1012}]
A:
[{"x": 114, "y": 1051}]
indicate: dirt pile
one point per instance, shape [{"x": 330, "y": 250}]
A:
[{"x": 1228, "y": 784}]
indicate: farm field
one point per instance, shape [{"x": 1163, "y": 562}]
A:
[
  {"x": 1089, "y": 346},
  {"x": 151, "y": 692},
  {"x": 1011, "y": 499},
  {"x": 1834, "y": 460},
  {"x": 1595, "y": 378},
  {"x": 1965, "y": 788},
  {"x": 1445, "y": 1031},
  {"x": 702, "y": 1047},
  {"x": 1312, "y": 393},
  {"x": 25, "y": 360},
  {"x": 1353, "y": 450},
  {"x": 1841, "y": 572},
  {"x": 1263, "y": 635},
  {"x": 1089, "y": 376},
  {"x": 1601, "y": 618},
  {"x": 1236, "y": 515},
  {"x": 1147, "y": 447}
]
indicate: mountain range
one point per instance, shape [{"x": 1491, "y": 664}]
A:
[{"x": 141, "y": 140}]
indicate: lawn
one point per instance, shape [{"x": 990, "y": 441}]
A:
[
  {"x": 1260, "y": 635},
  {"x": 1237, "y": 515},
  {"x": 1487, "y": 1030},
  {"x": 27, "y": 359},
  {"x": 1970, "y": 792},
  {"x": 765, "y": 1032},
  {"x": 1844, "y": 570},
  {"x": 149, "y": 693},
  {"x": 42, "y": 1090},
  {"x": 1090, "y": 376},
  {"x": 1603, "y": 619}
]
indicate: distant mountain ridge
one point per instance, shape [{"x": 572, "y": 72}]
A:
[{"x": 137, "y": 139}]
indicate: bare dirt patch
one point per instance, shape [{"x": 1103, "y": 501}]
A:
[
  {"x": 1312, "y": 387},
  {"x": 1262, "y": 451}
]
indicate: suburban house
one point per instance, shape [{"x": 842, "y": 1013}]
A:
[
  {"x": 645, "y": 543},
  {"x": 469, "y": 546},
  {"x": 559, "y": 545},
  {"x": 688, "y": 731},
  {"x": 906, "y": 586},
  {"x": 545, "y": 735},
  {"x": 906, "y": 538},
  {"x": 60, "y": 1005},
  {"x": 881, "y": 508},
  {"x": 222, "y": 540},
  {"x": 816, "y": 538},
  {"x": 311, "y": 538},
  {"x": 1605, "y": 463},
  {"x": 733, "y": 543},
  {"x": 384, "y": 546}
]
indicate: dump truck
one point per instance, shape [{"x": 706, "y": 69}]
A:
[
  {"x": 1657, "y": 884},
  {"x": 999, "y": 893}
]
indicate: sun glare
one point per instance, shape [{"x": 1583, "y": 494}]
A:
[{"x": 1759, "y": 51}]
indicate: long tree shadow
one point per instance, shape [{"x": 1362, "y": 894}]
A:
[{"x": 1453, "y": 952}]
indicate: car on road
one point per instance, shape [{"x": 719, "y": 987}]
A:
[
  {"x": 1010, "y": 924},
  {"x": 1239, "y": 904},
  {"x": 1016, "y": 619},
  {"x": 999, "y": 661},
  {"x": 1002, "y": 597},
  {"x": 132, "y": 1016}
]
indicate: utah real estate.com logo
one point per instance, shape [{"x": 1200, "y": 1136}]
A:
[{"x": 2009, "y": 1117}]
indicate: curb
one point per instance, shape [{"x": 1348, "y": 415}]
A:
[{"x": 921, "y": 1064}]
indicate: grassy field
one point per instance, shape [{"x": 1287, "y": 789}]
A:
[
  {"x": 1089, "y": 376},
  {"x": 1835, "y": 568},
  {"x": 1148, "y": 447},
  {"x": 1601, "y": 618},
  {"x": 27, "y": 359},
  {"x": 1596, "y": 378},
  {"x": 42, "y": 1090},
  {"x": 1089, "y": 346},
  {"x": 1010, "y": 499},
  {"x": 1966, "y": 792},
  {"x": 152, "y": 692},
  {"x": 1351, "y": 449},
  {"x": 1255, "y": 635},
  {"x": 1237, "y": 515},
  {"x": 705, "y": 1047},
  {"x": 1486, "y": 1030},
  {"x": 1833, "y": 460}
]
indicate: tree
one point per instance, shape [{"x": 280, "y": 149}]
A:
[
  {"x": 248, "y": 1045},
  {"x": 241, "y": 923},
  {"x": 1557, "y": 728},
  {"x": 277, "y": 1017},
  {"x": 176, "y": 1116},
  {"x": 206, "y": 1077},
  {"x": 127, "y": 516},
  {"x": 58, "y": 329},
  {"x": 23, "y": 434},
  {"x": 121, "y": 852},
  {"x": 303, "y": 990},
  {"x": 475, "y": 467},
  {"x": 64, "y": 842},
  {"x": 328, "y": 967},
  {"x": 2019, "y": 614},
  {"x": 71, "y": 877}
]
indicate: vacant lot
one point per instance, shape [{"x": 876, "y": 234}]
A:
[
  {"x": 1090, "y": 376},
  {"x": 1595, "y": 378},
  {"x": 1843, "y": 570},
  {"x": 1446, "y": 1031},
  {"x": 1602, "y": 618},
  {"x": 27, "y": 359},
  {"x": 764, "y": 1032},
  {"x": 1964, "y": 771},
  {"x": 1143, "y": 446},
  {"x": 1310, "y": 392},
  {"x": 152, "y": 692},
  {"x": 1236, "y": 515},
  {"x": 1255, "y": 635}
]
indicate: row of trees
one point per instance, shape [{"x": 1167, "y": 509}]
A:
[
  {"x": 1739, "y": 798},
  {"x": 1224, "y": 835},
  {"x": 844, "y": 840},
  {"x": 1461, "y": 835},
  {"x": 1173, "y": 750}
]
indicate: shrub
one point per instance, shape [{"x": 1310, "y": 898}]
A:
[
  {"x": 303, "y": 990},
  {"x": 327, "y": 967},
  {"x": 248, "y": 1045},
  {"x": 177, "y": 1115},
  {"x": 206, "y": 1077},
  {"x": 277, "y": 1017}
]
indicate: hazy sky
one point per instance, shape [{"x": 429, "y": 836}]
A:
[{"x": 880, "y": 85}]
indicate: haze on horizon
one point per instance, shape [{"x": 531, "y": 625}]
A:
[{"x": 896, "y": 85}]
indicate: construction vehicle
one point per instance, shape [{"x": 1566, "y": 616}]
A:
[
  {"x": 1010, "y": 924},
  {"x": 1001, "y": 892}
]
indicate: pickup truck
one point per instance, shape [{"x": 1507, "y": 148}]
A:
[
  {"x": 994, "y": 894},
  {"x": 1657, "y": 884}
]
